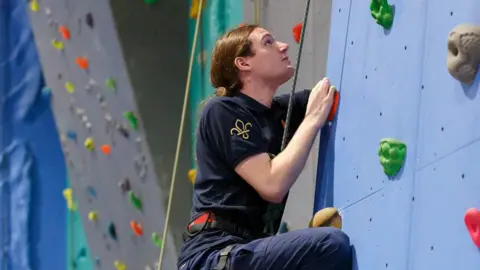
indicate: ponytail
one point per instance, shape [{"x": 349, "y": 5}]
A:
[{"x": 221, "y": 91}]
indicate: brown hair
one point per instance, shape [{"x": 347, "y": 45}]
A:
[{"x": 223, "y": 71}]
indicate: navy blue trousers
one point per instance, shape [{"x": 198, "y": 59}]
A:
[{"x": 307, "y": 249}]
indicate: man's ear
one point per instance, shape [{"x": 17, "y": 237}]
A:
[{"x": 242, "y": 63}]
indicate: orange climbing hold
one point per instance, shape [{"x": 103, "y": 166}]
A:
[
  {"x": 106, "y": 149},
  {"x": 136, "y": 228},
  {"x": 472, "y": 220},
  {"x": 82, "y": 62},
  {"x": 297, "y": 32},
  {"x": 64, "y": 31},
  {"x": 334, "y": 108}
]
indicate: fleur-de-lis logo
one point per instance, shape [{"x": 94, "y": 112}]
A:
[{"x": 241, "y": 129}]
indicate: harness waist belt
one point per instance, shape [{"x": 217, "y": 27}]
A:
[{"x": 207, "y": 220}]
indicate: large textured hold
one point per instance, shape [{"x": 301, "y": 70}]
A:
[{"x": 463, "y": 55}]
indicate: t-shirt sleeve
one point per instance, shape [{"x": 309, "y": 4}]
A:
[{"x": 232, "y": 132}]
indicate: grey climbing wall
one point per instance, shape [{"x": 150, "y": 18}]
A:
[
  {"x": 279, "y": 17},
  {"x": 104, "y": 63}
]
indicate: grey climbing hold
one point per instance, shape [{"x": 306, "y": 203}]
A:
[
  {"x": 89, "y": 20},
  {"x": 463, "y": 55},
  {"x": 125, "y": 185}
]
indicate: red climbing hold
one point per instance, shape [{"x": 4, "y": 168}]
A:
[
  {"x": 334, "y": 108},
  {"x": 82, "y": 62},
  {"x": 106, "y": 149},
  {"x": 64, "y": 32},
  {"x": 136, "y": 228},
  {"x": 297, "y": 32},
  {"x": 472, "y": 220}
]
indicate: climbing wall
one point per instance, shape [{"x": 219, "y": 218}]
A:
[
  {"x": 394, "y": 83},
  {"x": 280, "y": 18},
  {"x": 103, "y": 66}
]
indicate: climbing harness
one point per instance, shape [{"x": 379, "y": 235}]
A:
[
  {"x": 180, "y": 132},
  {"x": 208, "y": 221},
  {"x": 281, "y": 207}
]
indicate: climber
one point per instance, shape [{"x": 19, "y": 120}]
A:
[{"x": 241, "y": 171}]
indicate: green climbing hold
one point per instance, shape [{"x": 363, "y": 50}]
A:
[
  {"x": 134, "y": 200},
  {"x": 150, "y": 1},
  {"x": 392, "y": 155},
  {"x": 132, "y": 119},
  {"x": 110, "y": 83},
  {"x": 156, "y": 239},
  {"x": 382, "y": 12}
]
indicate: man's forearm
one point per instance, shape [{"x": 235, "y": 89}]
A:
[{"x": 287, "y": 166}]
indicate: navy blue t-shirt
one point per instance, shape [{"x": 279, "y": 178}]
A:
[{"x": 230, "y": 130}]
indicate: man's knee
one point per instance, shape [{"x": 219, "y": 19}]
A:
[{"x": 334, "y": 244}]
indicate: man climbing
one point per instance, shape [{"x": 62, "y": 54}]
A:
[{"x": 241, "y": 171}]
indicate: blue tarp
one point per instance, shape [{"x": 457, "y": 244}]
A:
[
  {"x": 16, "y": 173},
  {"x": 32, "y": 173}
]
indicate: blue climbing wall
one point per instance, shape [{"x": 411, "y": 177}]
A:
[{"x": 396, "y": 84}]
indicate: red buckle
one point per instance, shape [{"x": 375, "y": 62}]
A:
[{"x": 202, "y": 218}]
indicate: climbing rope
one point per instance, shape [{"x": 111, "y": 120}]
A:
[
  {"x": 256, "y": 12},
  {"x": 180, "y": 132},
  {"x": 294, "y": 85},
  {"x": 275, "y": 211}
]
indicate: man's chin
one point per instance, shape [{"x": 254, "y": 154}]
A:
[{"x": 288, "y": 75}]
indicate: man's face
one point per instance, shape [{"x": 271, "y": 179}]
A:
[{"x": 270, "y": 61}]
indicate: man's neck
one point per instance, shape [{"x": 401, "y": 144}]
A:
[{"x": 260, "y": 92}]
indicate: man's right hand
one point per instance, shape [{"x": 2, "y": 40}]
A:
[{"x": 320, "y": 102}]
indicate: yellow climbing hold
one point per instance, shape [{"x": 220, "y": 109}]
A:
[
  {"x": 57, "y": 44},
  {"x": 192, "y": 174},
  {"x": 195, "y": 8},
  {"x": 327, "y": 217},
  {"x": 69, "y": 87},
  {"x": 89, "y": 144},
  {"x": 34, "y": 5},
  {"x": 68, "y": 195},
  {"x": 119, "y": 265},
  {"x": 92, "y": 215}
]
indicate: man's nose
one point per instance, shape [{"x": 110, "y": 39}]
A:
[{"x": 283, "y": 47}]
